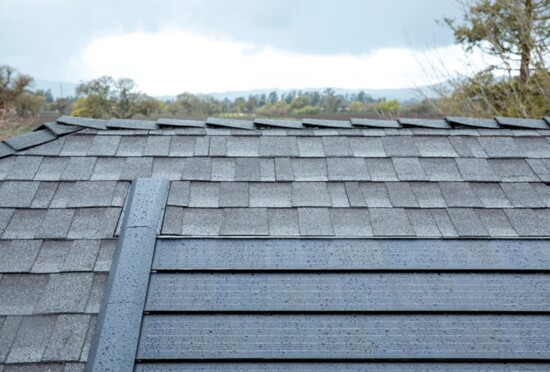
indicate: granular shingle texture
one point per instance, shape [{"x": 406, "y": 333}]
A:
[{"x": 63, "y": 188}]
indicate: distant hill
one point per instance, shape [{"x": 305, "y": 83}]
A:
[
  {"x": 402, "y": 95},
  {"x": 65, "y": 89}
]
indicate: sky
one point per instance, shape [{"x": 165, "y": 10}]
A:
[{"x": 204, "y": 46}]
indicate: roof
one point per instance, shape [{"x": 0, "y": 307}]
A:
[{"x": 64, "y": 187}]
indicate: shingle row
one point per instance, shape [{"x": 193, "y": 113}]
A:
[
  {"x": 46, "y": 338},
  {"x": 83, "y": 223},
  {"x": 364, "y": 222},
  {"x": 359, "y": 194},
  {"x": 55, "y": 256},
  {"x": 274, "y": 169},
  {"x": 447, "y": 123},
  {"x": 293, "y": 146},
  {"x": 42, "y": 194},
  {"x": 51, "y": 293}
]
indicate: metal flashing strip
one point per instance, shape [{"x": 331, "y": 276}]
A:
[{"x": 116, "y": 338}]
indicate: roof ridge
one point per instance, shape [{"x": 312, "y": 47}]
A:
[{"x": 69, "y": 124}]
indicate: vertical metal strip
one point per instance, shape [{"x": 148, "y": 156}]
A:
[{"x": 116, "y": 336}]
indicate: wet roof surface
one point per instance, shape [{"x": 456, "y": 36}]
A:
[{"x": 64, "y": 186}]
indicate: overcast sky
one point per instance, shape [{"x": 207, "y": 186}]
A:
[{"x": 171, "y": 46}]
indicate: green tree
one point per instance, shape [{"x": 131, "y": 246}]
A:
[
  {"x": 516, "y": 34},
  {"x": 356, "y": 106},
  {"x": 388, "y": 108}
]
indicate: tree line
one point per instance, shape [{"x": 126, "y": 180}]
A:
[{"x": 515, "y": 34}]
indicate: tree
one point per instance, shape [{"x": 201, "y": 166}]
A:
[
  {"x": 516, "y": 34},
  {"x": 148, "y": 105},
  {"x": 107, "y": 96},
  {"x": 12, "y": 85},
  {"x": 61, "y": 105},
  {"x": 388, "y": 108},
  {"x": 29, "y": 103}
]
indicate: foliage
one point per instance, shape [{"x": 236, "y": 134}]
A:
[
  {"x": 388, "y": 108},
  {"x": 12, "y": 86},
  {"x": 107, "y": 96},
  {"x": 29, "y": 103},
  {"x": 516, "y": 35}
]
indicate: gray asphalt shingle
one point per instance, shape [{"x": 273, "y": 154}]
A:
[
  {"x": 347, "y": 169},
  {"x": 440, "y": 169},
  {"x": 500, "y": 147},
  {"x": 23, "y": 168},
  {"x": 428, "y": 194},
  {"x": 52, "y": 256},
  {"x": 512, "y": 170},
  {"x": 17, "y": 194},
  {"x": 522, "y": 195},
  {"x": 273, "y": 195},
  {"x": 44, "y": 195},
  {"x": 278, "y": 146},
  {"x": 223, "y": 169},
  {"x": 355, "y": 195},
  {"x": 55, "y": 224},
  {"x": 18, "y": 255},
  {"x": 173, "y": 219},
  {"x": 310, "y": 147},
  {"x": 310, "y": 194},
  {"x": 476, "y": 169},
  {"x": 459, "y": 194},
  {"x": 202, "y": 221},
  {"x": 244, "y": 221},
  {"x": 314, "y": 222},
  {"x": 390, "y": 222},
  {"x": 375, "y": 195},
  {"x": 76, "y": 145},
  {"x": 527, "y": 223},
  {"x": 305, "y": 170},
  {"x": 491, "y": 195},
  {"x": 32, "y": 338},
  {"x": 8, "y": 332},
  {"x": 496, "y": 223},
  {"x": 20, "y": 293},
  {"x": 247, "y": 169},
  {"x": 423, "y": 223},
  {"x": 104, "y": 146},
  {"x": 51, "y": 169},
  {"x": 367, "y": 147},
  {"x": 350, "y": 221},
  {"x": 401, "y": 195},
  {"x": 533, "y": 147},
  {"x": 179, "y": 193},
  {"x": 381, "y": 169},
  {"x": 94, "y": 223},
  {"x": 204, "y": 194},
  {"x": 65, "y": 293},
  {"x": 243, "y": 146},
  {"x": 83, "y": 194},
  {"x": 182, "y": 146},
  {"x": 408, "y": 169},
  {"x": 67, "y": 338},
  {"x": 158, "y": 146},
  {"x": 338, "y": 195},
  {"x": 336, "y": 146},
  {"x": 467, "y": 222},
  {"x": 234, "y": 194},
  {"x": 78, "y": 169},
  {"x": 283, "y": 222},
  {"x": 399, "y": 146},
  {"x": 435, "y": 147}
]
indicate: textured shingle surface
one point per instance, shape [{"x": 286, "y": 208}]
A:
[{"x": 60, "y": 201}]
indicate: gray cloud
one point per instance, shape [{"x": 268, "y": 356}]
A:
[{"x": 40, "y": 36}]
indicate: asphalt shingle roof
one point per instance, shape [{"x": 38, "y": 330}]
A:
[{"x": 63, "y": 187}]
